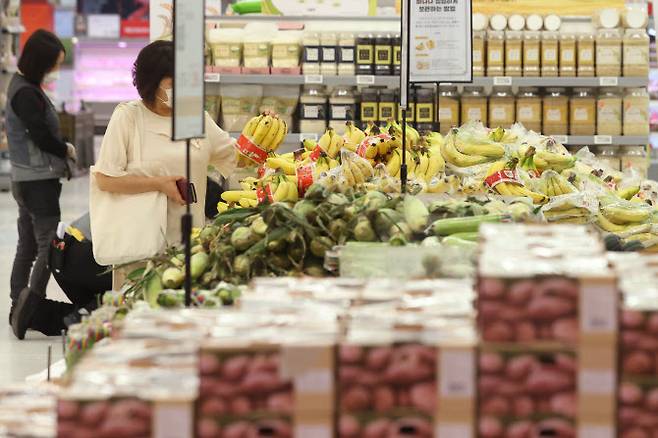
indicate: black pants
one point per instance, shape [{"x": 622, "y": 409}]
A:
[{"x": 38, "y": 216}]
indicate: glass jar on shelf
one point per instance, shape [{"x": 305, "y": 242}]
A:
[
  {"x": 636, "y": 112},
  {"x": 609, "y": 112},
  {"x": 528, "y": 108},
  {"x": 582, "y": 112},
  {"x": 608, "y": 52},
  {"x": 568, "y": 54},
  {"x": 501, "y": 107},
  {"x": 555, "y": 118},
  {"x": 513, "y": 53},
  {"x": 479, "y": 55},
  {"x": 342, "y": 107},
  {"x": 586, "y": 52},
  {"x": 448, "y": 108},
  {"x": 636, "y": 53},
  {"x": 313, "y": 110},
  {"x": 495, "y": 53},
  {"x": 549, "y": 53},
  {"x": 531, "y": 51},
  {"x": 346, "y": 48},
  {"x": 473, "y": 104},
  {"x": 425, "y": 101}
]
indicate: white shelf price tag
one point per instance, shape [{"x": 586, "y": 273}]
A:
[
  {"x": 602, "y": 139},
  {"x": 303, "y": 137},
  {"x": 313, "y": 79},
  {"x": 211, "y": 77},
  {"x": 562, "y": 139},
  {"x": 365, "y": 80},
  {"x": 503, "y": 81},
  {"x": 606, "y": 81}
]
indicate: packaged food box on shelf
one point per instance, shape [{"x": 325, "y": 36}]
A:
[
  {"x": 406, "y": 376},
  {"x": 547, "y": 306},
  {"x": 127, "y": 388}
]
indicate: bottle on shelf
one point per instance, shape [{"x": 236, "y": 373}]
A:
[
  {"x": 388, "y": 104},
  {"x": 328, "y": 54},
  {"x": 609, "y": 112},
  {"x": 501, "y": 107},
  {"x": 586, "y": 51},
  {"x": 582, "y": 110},
  {"x": 346, "y": 49},
  {"x": 567, "y": 54},
  {"x": 397, "y": 54},
  {"x": 549, "y": 53},
  {"x": 365, "y": 54},
  {"x": 608, "y": 52},
  {"x": 313, "y": 109},
  {"x": 383, "y": 55},
  {"x": 311, "y": 53},
  {"x": 448, "y": 103},
  {"x": 286, "y": 50},
  {"x": 479, "y": 54},
  {"x": 636, "y": 112},
  {"x": 425, "y": 119},
  {"x": 513, "y": 53},
  {"x": 369, "y": 106},
  {"x": 495, "y": 53},
  {"x": 636, "y": 53},
  {"x": 529, "y": 108},
  {"x": 531, "y": 51},
  {"x": 555, "y": 118},
  {"x": 342, "y": 107},
  {"x": 473, "y": 104}
]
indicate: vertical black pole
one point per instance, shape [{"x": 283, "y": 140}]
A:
[
  {"x": 187, "y": 229},
  {"x": 403, "y": 167}
]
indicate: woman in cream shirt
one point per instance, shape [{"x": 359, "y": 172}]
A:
[{"x": 160, "y": 157}]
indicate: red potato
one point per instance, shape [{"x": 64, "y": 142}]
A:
[
  {"x": 120, "y": 428},
  {"x": 356, "y": 398},
  {"x": 525, "y": 331},
  {"x": 377, "y": 429},
  {"x": 496, "y": 406},
  {"x": 628, "y": 416},
  {"x": 407, "y": 367},
  {"x": 349, "y": 374},
  {"x": 410, "y": 428},
  {"x": 378, "y": 358},
  {"x": 235, "y": 367},
  {"x": 240, "y": 429},
  {"x": 225, "y": 389},
  {"x": 564, "y": 404},
  {"x": 648, "y": 420},
  {"x": 66, "y": 429},
  {"x": 348, "y": 427},
  {"x": 520, "y": 366},
  {"x": 512, "y": 314},
  {"x": 523, "y": 406},
  {"x": 273, "y": 362},
  {"x": 424, "y": 397},
  {"x": 240, "y": 406},
  {"x": 490, "y": 427},
  {"x": 548, "y": 308},
  {"x": 566, "y": 363},
  {"x": 510, "y": 389},
  {"x": 652, "y": 401},
  {"x": 491, "y": 363},
  {"x": 262, "y": 363},
  {"x": 383, "y": 398},
  {"x": 213, "y": 406},
  {"x": 566, "y": 330},
  {"x": 652, "y": 323},
  {"x": 549, "y": 380},
  {"x": 350, "y": 354},
  {"x": 630, "y": 338},
  {"x": 498, "y": 331},
  {"x": 635, "y": 432},
  {"x": 545, "y": 331},
  {"x": 520, "y": 429},
  {"x": 632, "y": 319},
  {"x": 427, "y": 353},
  {"x": 489, "y": 385},
  {"x": 92, "y": 413},
  {"x": 558, "y": 427},
  {"x": 637, "y": 362},
  {"x": 67, "y": 409},
  {"x": 404, "y": 398},
  {"x": 261, "y": 381},
  {"x": 369, "y": 378},
  {"x": 209, "y": 364},
  {"x": 521, "y": 291},
  {"x": 491, "y": 288},
  {"x": 207, "y": 385},
  {"x": 558, "y": 286},
  {"x": 630, "y": 394},
  {"x": 647, "y": 342},
  {"x": 544, "y": 405},
  {"x": 281, "y": 402},
  {"x": 208, "y": 428},
  {"x": 488, "y": 310}
]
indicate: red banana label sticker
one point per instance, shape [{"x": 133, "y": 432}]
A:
[
  {"x": 250, "y": 150},
  {"x": 264, "y": 193},
  {"x": 304, "y": 178},
  {"x": 371, "y": 140},
  {"x": 316, "y": 153},
  {"x": 503, "y": 176}
]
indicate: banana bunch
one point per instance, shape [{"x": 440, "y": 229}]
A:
[
  {"x": 284, "y": 189},
  {"x": 355, "y": 170},
  {"x": 551, "y": 160},
  {"x": 266, "y": 131},
  {"x": 353, "y": 136},
  {"x": 324, "y": 164},
  {"x": 425, "y": 165},
  {"x": 395, "y": 130},
  {"x": 331, "y": 143},
  {"x": 489, "y": 150},
  {"x": 242, "y": 198},
  {"x": 567, "y": 212},
  {"x": 394, "y": 162},
  {"x": 457, "y": 158},
  {"x": 617, "y": 217},
  {"x": 443, "y": 184},
  {"x": 552, "y": 184},
  {"x": 513, "y": 189}
]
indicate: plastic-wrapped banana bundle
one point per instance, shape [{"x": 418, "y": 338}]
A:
[{"x": 261, "y": 135}]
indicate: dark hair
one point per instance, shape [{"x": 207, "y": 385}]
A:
[
  {"x": 154, "y": 63},
  {"x": 40, "y": 55}
]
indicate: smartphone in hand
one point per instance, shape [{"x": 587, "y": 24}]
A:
[{"x": 186, "y": 190}]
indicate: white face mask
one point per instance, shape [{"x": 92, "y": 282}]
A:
[
  {"x": 51, "y": 77},
  {"x": 168, "y": 92}
]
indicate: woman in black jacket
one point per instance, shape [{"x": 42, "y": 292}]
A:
[{"x": 38, "y": 156}]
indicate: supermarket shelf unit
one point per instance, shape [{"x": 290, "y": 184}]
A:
[{"x": 10, "y": 32}]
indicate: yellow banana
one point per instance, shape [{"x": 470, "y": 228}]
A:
[
  {"x": 493, "y": 150},
  {"x": 537, "y": 198},
  {"x": 453, "y": 156},
  {"x": 349, "y": 176},
  {"x": 279, "y": 163},
  {"x": 271, "y": 133},
  {"x": 281, "y": 192},
  {"x": 293, "y": 194},
  {"x": 393, "y": 165},
  {"x": 359, "y": 178},
  {"x": 335, "y": 145},
  {"x": 604, "y": 223},
  {"x": 620, "y": 215},
  {"x": 235, "y": 195},
  {"x": 365, "y": 167},
  {"x": 280, "y": 135},
  {"x": 261, "y": 130},
  {"x": 251, "y": 125},
  {"x": 325, "y": 140},
  {"x": 423, "y": 166},
  {"x": 436, "y": 165},
  {"x": 504, "y": 189},
  {"x": 222, "y": 207}
]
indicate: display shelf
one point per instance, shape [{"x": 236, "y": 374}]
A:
[
  {"x": 393, "y": 81},
  {"x": 270, "y": 18}
]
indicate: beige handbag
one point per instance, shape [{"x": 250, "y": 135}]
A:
[{"x": 128, "y": 228}]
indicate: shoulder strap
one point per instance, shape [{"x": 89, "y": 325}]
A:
[{"x": 138, "y": 130}]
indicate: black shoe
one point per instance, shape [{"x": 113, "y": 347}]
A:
[{"x": 23, "y": 312}]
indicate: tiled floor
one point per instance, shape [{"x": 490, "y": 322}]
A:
[{"x": 19, "y": 359}]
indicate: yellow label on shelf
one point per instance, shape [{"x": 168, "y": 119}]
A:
[{"x": 566, "y": 7}]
